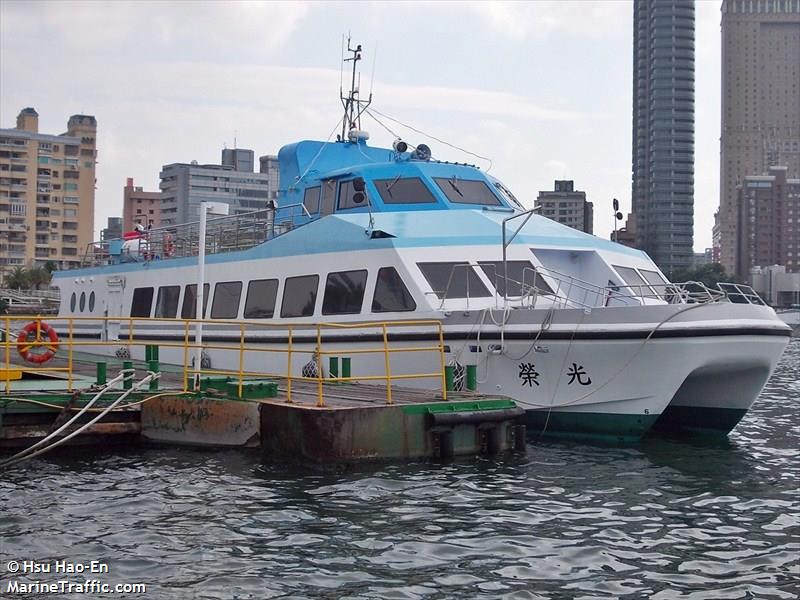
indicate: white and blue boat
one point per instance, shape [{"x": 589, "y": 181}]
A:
[{"x": 588, "y": 336}]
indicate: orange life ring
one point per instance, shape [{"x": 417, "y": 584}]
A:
[{"x": 37, "y": 334}]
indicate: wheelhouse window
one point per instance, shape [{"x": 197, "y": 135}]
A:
[
  {"x": 467, "y": 191},
  {"x": 226, "y": 300},
  {"x": 350, "y": 197},
  {"x": 522, "y": 277},
  {"x": 299, "y": 296},
  {"x": 142, "y": 302},
  {"x": 506, "y": 193},
  {"x": 73, "y": 299},
  {"x": 261, "y": 297},
  {"x": 189, "y": 308},
  {"x": 344, "y": 293},
  {"x": 404, "y": 190},
  {"x": 328, "y": 197},
  {"x": 91, "y": 302},
  {"x": 167, "y": 301},
  {"x": 453, "y": 280},
  {"x": 391, "y": 294},
  {"x": 311, "y": 200},
  {"x": 631, "y": 276}
]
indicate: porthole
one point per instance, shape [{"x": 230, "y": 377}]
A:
[
  {"x": 91, "y": 302},
  {"x": 83, "y": 301},
  {"x": 72, "y": 301}
]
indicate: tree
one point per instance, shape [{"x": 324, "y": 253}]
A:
[
  {"x": 17, "y": 278},
  {"x": 50, "y": 266},
  {"x": 39, "y": 276},
  {"x": 709, "y": 274}
]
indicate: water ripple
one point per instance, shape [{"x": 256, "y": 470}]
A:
[{"x": 664, "y": 519}]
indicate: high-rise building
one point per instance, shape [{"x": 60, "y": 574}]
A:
[
  {"x": 768, "y": 222},
  {"x": 112, "y": 230},
  {"x": 239, "y": 159},
  {"x": 567, "y": 206},
  {"x": 185, "y": 185},
  {"x": 47, "y": 188},
  {"x": 760, "y": 103},
  {"x": 662, "y": 191},
  {"x": 270, "y": 166},
  {"x": 140, "y": 207}
]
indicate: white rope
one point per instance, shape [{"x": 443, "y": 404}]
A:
[
  {"x": 124, "y": 373},
  {"x": 150, "y": 376}
]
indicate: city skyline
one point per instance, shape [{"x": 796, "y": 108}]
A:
[{"x": 173, "y": 99}]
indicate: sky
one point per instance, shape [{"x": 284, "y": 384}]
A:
[{"x": 543, "y": 89}]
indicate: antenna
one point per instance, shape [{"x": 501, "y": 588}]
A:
[{"x": 353, "y": 106}]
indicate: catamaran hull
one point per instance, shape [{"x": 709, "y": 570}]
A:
[{"x": 586, "y": 386}]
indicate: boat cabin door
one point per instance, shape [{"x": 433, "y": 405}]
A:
[{"x": 113, "y": 308}]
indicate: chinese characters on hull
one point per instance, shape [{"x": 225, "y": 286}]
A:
[{"x": 529, "y": 376}]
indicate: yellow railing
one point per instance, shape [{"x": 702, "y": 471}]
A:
[{"x": 241, "y": 338}]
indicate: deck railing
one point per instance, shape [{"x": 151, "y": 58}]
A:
[
  {"x": 223, "y": 234},
  {"x": 103, "y": 337},
  {"x": 561, "y": 290}
]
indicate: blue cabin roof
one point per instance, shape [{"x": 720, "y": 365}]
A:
[{"x": 327, "y": 171}]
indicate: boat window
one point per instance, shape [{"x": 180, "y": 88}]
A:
[
  {"x": 467, "y": 191},
  {"x": 72, "y": 301},
  {"x": 142, "y": 302},
  {"x": 91, "y": 302},
  {"x": 189, "y": 307},
  {"x": 522, "y": 277},
  {"x": 391, "y": 294},
  {"x": 654, "y": 278},
  {"x": 299, "y": 296},
  {"x": 506, "y": 193},
  {"x": 83, "y": 301},
  {"x": 328, "y": 197},
  {"x": 344, "y": 293},
  {"x": 633, "y": 279},
  {"x": 349, "y": 197},
  {"x": 658, "y": 283},
  {"x": 167, "y": 301},
  {"x": 311, "y": 200},
  {"x": 226, "y": 300},
  {"x": 404, "y": 190},
  {"x": 261, "y": 296},
  {"x": 453, "y": 280}
]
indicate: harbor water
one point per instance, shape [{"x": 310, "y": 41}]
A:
[{"x": 661, "y": 519}]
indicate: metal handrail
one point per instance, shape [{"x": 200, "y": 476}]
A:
[
  {"x": 322, "y": 332},
  {"x": 223, "y": 234},
  {"x": 569, "y": 291}
]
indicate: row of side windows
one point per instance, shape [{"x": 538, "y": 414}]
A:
[{"x": 343, "y": 295}]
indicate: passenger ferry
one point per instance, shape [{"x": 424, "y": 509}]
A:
[{"x": 588, "y": 336}]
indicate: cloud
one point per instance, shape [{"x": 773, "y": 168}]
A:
[
  {"x": 239, "y": 29},
  {"x": 521, "y": 20}
]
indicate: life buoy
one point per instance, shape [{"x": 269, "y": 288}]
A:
[{"x": 37, "y": 335}]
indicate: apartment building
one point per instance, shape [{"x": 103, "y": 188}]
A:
[
  {"x": 768, "y": 222},
  {"x": 47, "y": 192},
  {"x": 185, "y": 185},
  {"x": 567, "y": 205},
  {"x": 140, "y": 207},
  {"x": 760, "y": 104}
]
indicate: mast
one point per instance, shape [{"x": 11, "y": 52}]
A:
[{"x": 353, "y": 105}]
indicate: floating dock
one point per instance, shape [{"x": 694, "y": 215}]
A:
[{"x": 307, "y": 419}]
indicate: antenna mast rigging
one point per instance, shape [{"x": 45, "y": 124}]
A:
[{"x": 353, "y": 106}]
